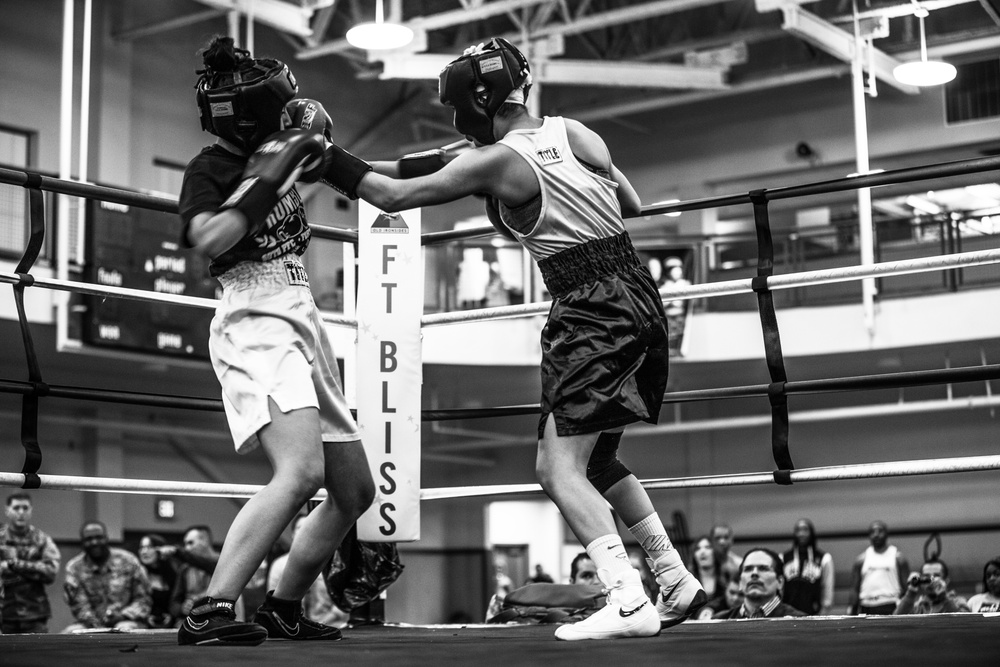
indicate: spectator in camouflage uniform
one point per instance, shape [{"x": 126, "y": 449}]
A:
[
  {"x": 29, "y": 561},
  {"x": 106, "y": 587}
]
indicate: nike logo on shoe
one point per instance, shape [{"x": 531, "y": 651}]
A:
[
  {"x": 292, "y": 631},
  {"x": 196, "y": 626},
  {"x": 625, "y": 613},
  {"x": 665, "y": 595}
]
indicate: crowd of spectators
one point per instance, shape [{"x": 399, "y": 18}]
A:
[
  {"x": 762, "y": 583},
  {"x": 110, "y": 588}
]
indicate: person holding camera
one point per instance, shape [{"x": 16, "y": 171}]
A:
[{"x": 928, "y": 592}]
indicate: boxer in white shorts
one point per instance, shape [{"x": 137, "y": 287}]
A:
[
  {"x": 266, "y": 338},
  {"x": 278, "y": 373}
]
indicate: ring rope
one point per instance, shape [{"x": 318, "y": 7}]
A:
[
  {"x": 985, "y": 372},
  {"x": 746, "y": 285},
  {"x": 819, "y": 474},
  {"x": 760, "y": 284},
  {"x": 721, "y": 288}
]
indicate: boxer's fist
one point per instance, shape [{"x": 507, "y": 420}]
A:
[
  {"x": 272, "y": 171},
  {"x": 305, "y": 114},
  {"x": 342, "y": 171},
  {"x": 421, "y": 164},
  {"x": 309, "y": 115}
]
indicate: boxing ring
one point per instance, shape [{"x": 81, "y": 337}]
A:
[{"x": 836, "y": 639}]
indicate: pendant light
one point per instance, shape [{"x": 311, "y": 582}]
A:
[
  {"x": 379, "y": 35},
  {"x": 924, "y": 72}
]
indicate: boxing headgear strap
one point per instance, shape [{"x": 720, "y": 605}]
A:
[
  {"x": 244, "y": 107},
  {"x": 478, "y": 83}
]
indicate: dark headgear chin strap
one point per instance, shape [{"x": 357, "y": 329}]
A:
[
  {"x": 244, "y": 107},
  {"x": 477, "y": 84}
]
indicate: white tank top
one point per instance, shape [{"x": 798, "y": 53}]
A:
[
  {"x": 577, "y": 205},
  {"x": 879, "y": 578}
]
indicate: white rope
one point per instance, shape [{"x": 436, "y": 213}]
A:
[
  {"x": 860, "y": 471},
  {"x": 824, "y": 474},
  {"x": 94, "y": 289},
  {"x": 143, "y": 295},
  {"x": 722, "y": 288},
  {"x": 743, "y": 286}
]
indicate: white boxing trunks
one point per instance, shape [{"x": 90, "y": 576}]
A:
[{"x": 266, "y": 339}]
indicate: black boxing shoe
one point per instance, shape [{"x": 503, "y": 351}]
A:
[
  {"x": 283, "y": 619},
  {"x": 214, "y": 622}
]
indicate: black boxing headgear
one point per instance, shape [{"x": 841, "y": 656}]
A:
[
  {"x": 243, "y": 106},
  {"x": 478, "y": 83}
]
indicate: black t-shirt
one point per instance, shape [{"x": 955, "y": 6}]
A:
[{"x": 209, "y": 179}]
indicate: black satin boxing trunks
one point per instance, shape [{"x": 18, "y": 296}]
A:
[{"x": 604, "y": 347}]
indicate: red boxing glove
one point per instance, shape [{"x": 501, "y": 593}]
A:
[{"x": 271, "y": 172}]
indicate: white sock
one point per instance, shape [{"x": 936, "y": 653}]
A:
[
  {"x": 651, "y": 534},
  {"x": 608, "y": 553}
]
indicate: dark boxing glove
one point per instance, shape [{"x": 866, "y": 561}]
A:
[
  {"x": 493, "y": 213},
  {"x": 271, "y": 172},
  {"x": 421, "y": 164},
  {"x": 343, "y": 171},
  {"x": 309, "y": 115}
]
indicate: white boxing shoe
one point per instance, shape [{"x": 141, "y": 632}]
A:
[
  {"x": 628, "y": 612},
  {"x": 681, "y": 594}
]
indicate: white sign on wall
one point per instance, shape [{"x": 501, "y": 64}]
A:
[{"x": 389, "y": 369}]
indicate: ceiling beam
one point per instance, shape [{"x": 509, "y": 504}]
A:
[
  {"x": 284, "y": 16},
  {"x": 432, "y": 22},
  {"x": 629, "y": 14},
  {"x": 629, "y": 74},
  {"x": 840, "y": 44},
  {"x": 574, "y": 72},
  {"x": 165, "y": 26}
]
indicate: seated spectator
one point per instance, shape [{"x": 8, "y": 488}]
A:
[
  {"x": 989, "y": 599},
  {"x": 582, "y": 570},
  {"x": 723, "y": 537},
  {"x": 808, "y": 572},
  {"x": 197, "y": 559},
  {"x": 706, "y": 566},
  {"x": 106, "y": 587},
  {"x": 734, "y": 596},
  {"x": 504, "y": 586},
  {"x": 761, "y": 580},
  {"x": 927, "y": 592},
  {"x": 541, "y": 576},
  {"x": 316, "y": 605},
  {"x": 162, "y": 577}
]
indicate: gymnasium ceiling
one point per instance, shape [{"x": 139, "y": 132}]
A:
[{"x": 605, "y": 59}]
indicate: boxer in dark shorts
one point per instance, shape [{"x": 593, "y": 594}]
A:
[
  {"x": 549, "y": 184},
  {"x": 604, "y": 347}
]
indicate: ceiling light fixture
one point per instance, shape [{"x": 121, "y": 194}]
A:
[
  {"x": 924, "y": 72},
  {"x": 379, "y": 35}
]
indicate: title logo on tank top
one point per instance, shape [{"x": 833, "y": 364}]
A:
[{"x": 550, "y": 155}]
